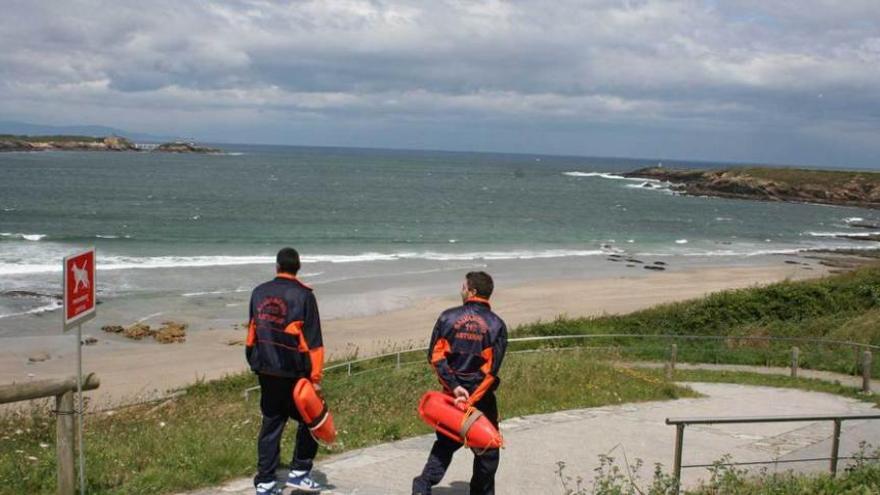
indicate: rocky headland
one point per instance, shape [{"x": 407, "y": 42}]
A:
[
  {"x": 88, "y": 143},
  {"x": 842, "y": 188}
]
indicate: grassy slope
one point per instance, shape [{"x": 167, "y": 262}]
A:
[
  {"x": 840, "y": 307},
  {"x": 209, "y": 435},
  {"x": 802, "y": 177}
]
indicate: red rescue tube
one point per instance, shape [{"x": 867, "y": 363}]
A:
[
  {"x": 463, "y": 424},
  {"x": 314, "y": 411}
]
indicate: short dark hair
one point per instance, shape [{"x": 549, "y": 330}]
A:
[
  {"x": 288, "y": 260},
  {"x": 481, "y": 283}
]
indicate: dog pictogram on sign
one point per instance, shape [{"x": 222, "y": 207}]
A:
[{"x": 79, "y": 288}]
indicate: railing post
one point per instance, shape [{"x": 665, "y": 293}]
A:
[
  {"x": 835, "y": 447},
  {"x": 673, "y": 355},
  {"x": 866, "y": 372},
  {"x": 679, "y": 441},
  {"x": 349, "y": 368},
  {"x": 64, "y": 442},
  {"x": 795, "y": 354}
]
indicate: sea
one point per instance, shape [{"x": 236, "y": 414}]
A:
[{"x": 185, "y": 226}]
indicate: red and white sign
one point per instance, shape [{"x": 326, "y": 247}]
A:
[{"x": 79, "y": 288}]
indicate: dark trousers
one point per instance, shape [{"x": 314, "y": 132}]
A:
[
  {"x": 485, "y": 464},
  {"x": 276, "y": 404}
]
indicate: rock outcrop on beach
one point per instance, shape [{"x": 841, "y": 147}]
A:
[
  {"x": 169, "y": 333},
  {"x": 88, "y": 143},
  {"x": 843, "y": 188}
]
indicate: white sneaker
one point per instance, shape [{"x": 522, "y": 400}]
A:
[
  {"x": 301, "y": 481},
  {"x": 269, "y": 488}
]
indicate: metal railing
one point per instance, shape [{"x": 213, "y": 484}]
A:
[
  {"x": 62, "y": 390},
  {"x": 863, "y": 351},
  {"x": 680, "y": 424}
]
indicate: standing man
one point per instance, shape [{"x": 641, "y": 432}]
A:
[
  {"x": 284, "y": 345},
  {"x": 467, "y": 347}
]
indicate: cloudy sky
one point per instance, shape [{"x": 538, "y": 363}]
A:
[{"x": 743, "y": 80}]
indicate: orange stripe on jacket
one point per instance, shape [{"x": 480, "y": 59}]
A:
[
  {"x": 440, "y": 351},
  {"x": 252, "y": 334},
  {"x": 295, "y": 329},
  {"x": 317, "y": 358},
  {"x": 488, "y": 356}
]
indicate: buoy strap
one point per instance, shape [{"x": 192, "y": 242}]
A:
[
  {"x": 319, "y": 419},
  {"x": 470, "y": 417}
]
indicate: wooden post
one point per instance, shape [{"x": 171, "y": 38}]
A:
[
  {"x": 64, "y": 440},
  {"x": 670, "y": 367},
  {"x": 795, "y": 354},
  {"x": 866, "y": 372}
]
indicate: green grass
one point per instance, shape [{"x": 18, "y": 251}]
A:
[
  {"x": 209, "y": 435},
  {"x": 838, "y": 307},
  {"x": 800, "y": 177}
]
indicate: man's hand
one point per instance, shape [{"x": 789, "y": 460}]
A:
[{"x": 461, "y": 395}]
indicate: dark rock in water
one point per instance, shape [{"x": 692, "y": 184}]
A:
[
  {"x": 184, "y": 147},
  {"x": 790, "y": 262},
  {"x": 632, "y": 260},
  {"x": 630, "y": 266},
  {"x": 660, "y": 263},
  {"x": 27, "y": 293},
  {"x": 614, "y": 259},
  {"x": 89, "y": 340},
  {"x": 615, "y": 256},
  {"x": 112, "y": 328},
  {"x": 652, "y": 267}
]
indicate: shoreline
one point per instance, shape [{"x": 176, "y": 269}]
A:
[{"x": 215, "y": 349}]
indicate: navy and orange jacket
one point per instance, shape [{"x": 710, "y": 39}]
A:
[
  {"x": 467, "y": 348},
  {"x": 284, "y": 333}
]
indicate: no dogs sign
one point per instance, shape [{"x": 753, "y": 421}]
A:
[{"x": 79, "y": 288}]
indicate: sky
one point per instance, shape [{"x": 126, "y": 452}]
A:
[{"x": 759, "y": 81}]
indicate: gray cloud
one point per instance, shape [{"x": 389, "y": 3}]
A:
[{"x": 649, "y": 70}]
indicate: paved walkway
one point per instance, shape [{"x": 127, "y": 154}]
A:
[
  {"x": 632, "y": 431},
  {"x": 826, "y": 376}
]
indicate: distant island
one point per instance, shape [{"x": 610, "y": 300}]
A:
[
  {"x": 840, "y": 188},
  {"x": 88, "y": 143}
]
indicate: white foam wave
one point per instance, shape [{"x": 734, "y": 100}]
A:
[
  {"x": 212, "y": 292},
  {"x": 842, "y": 234},
  {"x": 134, "y": 263},
  {"x": 681, "y": 241},
  {"x": 41, "y": 309},
  {"x": 853, "y": 219},
  {"x": 26, "y": 237},
  {"x": 606, "y": 175}
]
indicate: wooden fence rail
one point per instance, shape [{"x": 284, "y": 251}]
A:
[{"x": 62, "y": 389}]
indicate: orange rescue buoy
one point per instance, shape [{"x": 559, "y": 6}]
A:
[
  {"x": 463, "y": 424},
  {"x": 314, "y": 412}
]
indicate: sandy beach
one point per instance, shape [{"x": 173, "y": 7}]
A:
[{"x": 131, "y": 371}]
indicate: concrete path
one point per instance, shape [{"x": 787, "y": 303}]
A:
[
  {"x": 630, "y": 431},
  {"x": 825, "y": 376}
]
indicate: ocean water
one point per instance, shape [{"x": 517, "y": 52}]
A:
[{"x": 203, "y": 217}]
